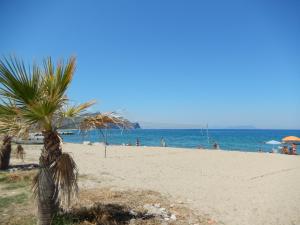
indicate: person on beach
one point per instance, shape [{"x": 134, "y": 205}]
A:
[
  {"x": 216, "y": 146},
  {"x": 285, "y": 150},
  {"x": 20, "y": 152},
  {"x": 137, "y": 142},
  {"x": 293, "y": 149},
  {"x": 162, "y": 142}
]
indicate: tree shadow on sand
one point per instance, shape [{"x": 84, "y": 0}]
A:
[
  {"x": 102, "y": 214},
  {"x": 24, "y": 167}
]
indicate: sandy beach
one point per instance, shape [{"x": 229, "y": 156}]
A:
[{"x": 233, "y": 188}]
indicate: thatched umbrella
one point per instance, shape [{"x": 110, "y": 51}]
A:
[{"x": 104, "y": 121}]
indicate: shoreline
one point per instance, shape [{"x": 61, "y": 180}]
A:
[
  {"x": 186, "y": 148},
  {"x": 236, "y": 140},
  {"x": 169, "y": 147}
]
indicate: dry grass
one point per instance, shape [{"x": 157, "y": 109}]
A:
[
  {"x": 16, "y": 204},
  {"x": 106, "y": 203},
  {"x": 19, "y": 176},
  {"x": 104, "y": 206}
]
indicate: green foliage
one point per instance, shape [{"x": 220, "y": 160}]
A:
[
  {"x": 62, "y": 220},
  {"x": 37, "y": 95}
]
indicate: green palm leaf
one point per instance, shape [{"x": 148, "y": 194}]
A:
[{"x": 39, "y": 94}]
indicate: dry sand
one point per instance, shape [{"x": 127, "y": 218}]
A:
[{"x": 233, "y": 188}]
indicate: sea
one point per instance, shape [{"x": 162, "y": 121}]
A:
[{"x": 250, "y": 140}]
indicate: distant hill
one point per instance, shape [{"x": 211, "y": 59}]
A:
[
  {"x": 241, "y": 127},
  {"x": 75, "y": 122},
  {"x": 135, "y": 125}
]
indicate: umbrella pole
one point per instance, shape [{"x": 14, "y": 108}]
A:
[{"x": 105, "y": 143}]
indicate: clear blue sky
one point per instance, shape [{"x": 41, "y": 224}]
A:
[{"x": 170, "y": 63}]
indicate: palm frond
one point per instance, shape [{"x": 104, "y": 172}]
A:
[
  {"x": 41, "y": 183},
  {"x": 65, "y": 174},
  {"x": 58, "y": 80},
  {"x": 38, "y": 93},
  {"x": 18, "y": 83},
  {"x": 76, "y": 110},
  {"x": 69, "y": 113},
  {"x": 10, "y": 121}
]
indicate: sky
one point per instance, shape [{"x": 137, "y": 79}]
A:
[{"x": 169, "y": 63}]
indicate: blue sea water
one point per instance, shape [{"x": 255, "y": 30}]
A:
[{"x": 240, "y": 140}]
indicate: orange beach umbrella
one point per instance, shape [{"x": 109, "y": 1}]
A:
[{"x": 291, "y": 139}]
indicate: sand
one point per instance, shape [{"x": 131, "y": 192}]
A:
[{"x": 233, "y": 188}]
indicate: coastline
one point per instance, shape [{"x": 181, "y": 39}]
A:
[
  {"x": 180, "y": 148},
  {"x": 237, "y": 140},
  {"x": 231, "y": 187}
]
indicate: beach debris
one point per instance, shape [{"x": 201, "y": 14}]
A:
[
  {"x": 12, "y": 170},
  {"x": 211, "y": 221},
  {"x": 132, "y": 222},
  {"x": 157, "y": 205},
  {"x": 98, "y": 143},
  {"x": 173, "y": 217},
  {"x": 23, "y": 167},
  {"x": 157, "y": 211},
  {"x": 133, "y": 213}
]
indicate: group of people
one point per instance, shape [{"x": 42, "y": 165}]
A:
[
  {"x": 291, "y": 150},
  {"x": 138, "y": 142},
  {"x": 284, "y": 150}
]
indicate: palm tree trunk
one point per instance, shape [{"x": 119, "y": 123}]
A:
[
  {"x": 47, "y": 190},
  {"x": 47, "y": 200},
  {"x": 5, "y": 153}
]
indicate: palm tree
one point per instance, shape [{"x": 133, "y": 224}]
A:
[{"x": 37, "y": 95}]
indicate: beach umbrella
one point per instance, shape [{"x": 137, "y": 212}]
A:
[
  {"x": 291, "y": 139},
  {"x": 273, "y": 142}
]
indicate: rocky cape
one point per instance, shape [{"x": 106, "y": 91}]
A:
[{"x": 75, "y": 122}]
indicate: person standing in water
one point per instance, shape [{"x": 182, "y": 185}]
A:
[
  {"x": 216, "y": 146},
  {"x": 162, "y": 142}
]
